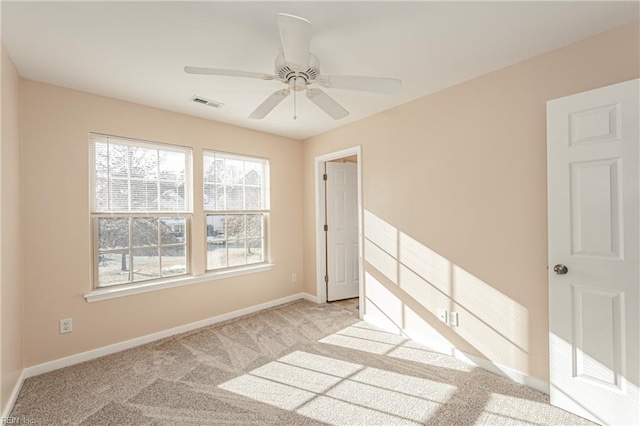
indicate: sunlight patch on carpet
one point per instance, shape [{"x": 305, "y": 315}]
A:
[{"x": 339, "y": 392}]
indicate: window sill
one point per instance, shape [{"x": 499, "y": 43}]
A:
[{"x": 121, "y": 291}]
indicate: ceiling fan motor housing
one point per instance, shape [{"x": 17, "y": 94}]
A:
[{"x": 286, "y": 72}]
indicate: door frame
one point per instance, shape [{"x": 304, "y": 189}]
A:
[{"x": 321, "y": 263}]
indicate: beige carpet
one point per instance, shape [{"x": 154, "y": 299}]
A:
[
  {"x": 298, "y": 364},
  {"x": 351, "y": 305}
]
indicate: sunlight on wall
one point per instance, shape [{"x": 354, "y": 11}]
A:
[
  {"x": 339, "y": 392},
  {"x": 499, "y": 312},
  {"x": 382, "y": 261},
  {"x": 494, "y": 324},
  {"x": 417, "y": 328},
  {"x": 382, "y": 303},
  {"x": 381, "y": 233},
  {"x": 426, "y": 263}
]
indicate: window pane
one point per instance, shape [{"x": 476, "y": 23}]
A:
[
  {"x": 234, "y": 197},
  {"x": 172, "y": 165},
  {"x": 209, "y": 172},
  {"x": 235, "y": 226},
  {"x": 209, "y": 196},
  {"x": 255, "y": 252},
  {"x": 113, "y": 268},
  {"x": 174, "y": 261},
  {"x": 252, "y": 173},
  {"x": 144, "y": 162},
  {"x": 237, "y": 253},
  {"x": 102, "y": 194},
  {"x": 216, "y": 254},
  {"x": 173, "y": 230},
  {"x": 216, "y": 227},
  {"x": 254, "y": 225},
  {"x": 119, "y": 195},
  {"x": 233, "y": 172},
  {"x": 113, "y": 233},
  {"x": 101, "y": 164},
  {"x": 146, "y": 263},
  {"x": 145, "y": 231},
  {"x": 118, "y": 160},
  {"x": 220, "y": 205},
  {"x": 171, "y": 196},
  {"x": 253, "y": 198},
  {"x": 144, "y": 195},
  {"x": 219, "y": 170}
]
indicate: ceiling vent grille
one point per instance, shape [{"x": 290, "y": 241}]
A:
[{"x": 205, "y": 101}]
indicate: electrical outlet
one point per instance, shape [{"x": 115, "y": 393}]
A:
[
  {"x": 66, "y": 325},
  {"x": 453, "y": 319},
  {"x": 443, "y": 315},
  {"x": 294, "y": 278}
]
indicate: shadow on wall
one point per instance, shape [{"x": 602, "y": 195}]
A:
[{"x": 402, "y": 273}]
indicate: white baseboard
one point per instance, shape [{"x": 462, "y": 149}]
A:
[
  {"x": 485, "y": 364},
  {"x": 12, "y": 398},
  {"x": 310, "y": 297},
  {"x": 117, "y": 347},
  {"x": 501, "y": 370}
]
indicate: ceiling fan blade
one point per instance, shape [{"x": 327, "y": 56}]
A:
[
  {"x": 327, "y": 104},
  {"x": 269, "y": 104},
  {"x": 230, "y": 73},
  {"x": 367, "y": 84},
  {"x": 295, "y": 34}
]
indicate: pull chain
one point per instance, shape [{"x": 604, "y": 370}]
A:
[{"x": 295, "y": 113}]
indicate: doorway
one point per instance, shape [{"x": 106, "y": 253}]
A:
[{"x": 339, "y": 229}]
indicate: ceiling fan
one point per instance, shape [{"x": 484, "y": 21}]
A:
[{"x": 298, "y": 69}]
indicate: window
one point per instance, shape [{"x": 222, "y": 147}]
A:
[
  {"x": 236, "y": 203},
  {"x": 141, "y": 207}
]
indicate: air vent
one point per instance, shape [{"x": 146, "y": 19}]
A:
[{"x": 208, "y": 102}]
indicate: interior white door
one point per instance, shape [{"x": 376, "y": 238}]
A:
[
  {"x": 342, "y": 230},
  {"x": 593, "y": 189}
]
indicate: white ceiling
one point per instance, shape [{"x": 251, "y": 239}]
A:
[{"x": 137, "y": 51}]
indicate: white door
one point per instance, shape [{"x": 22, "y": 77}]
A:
[
  {"x": 342, "y": 230},
  {"x": 593, "y": 188}
]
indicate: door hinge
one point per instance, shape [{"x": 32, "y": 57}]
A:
[
  {"x": 326, "y": 278},
  {"x": 326, "y": 228},
  {"x": 324, "y": 176}
]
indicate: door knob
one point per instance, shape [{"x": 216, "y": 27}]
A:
[{"x": 560, "y": 269}]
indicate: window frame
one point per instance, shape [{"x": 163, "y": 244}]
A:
[
  {"x": 95, "y": 215},
  {"x": 265, "y": 213}
]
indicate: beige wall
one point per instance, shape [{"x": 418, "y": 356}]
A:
[
  {"x": 455, "y": 201},
  {"x": 11, "y": 314},
  {"x": 56, "y": 123}
]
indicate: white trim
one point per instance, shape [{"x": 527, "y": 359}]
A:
[
  {"x": 112, "y": 293},
  {"x": 485, "y": 364},
  {"x": 320, "y": 244},
  {"x": 14, "y": 395},
  {"x": 117, "y": 347},
  {"x": 310, "y": 297}
]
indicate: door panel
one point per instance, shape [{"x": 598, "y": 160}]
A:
[
  {"x": 597, "y": 322},
  {"x": 595, "y": 208},
  {"x": 593, "y": 188},
  {"x": 342, "y": 234}
]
